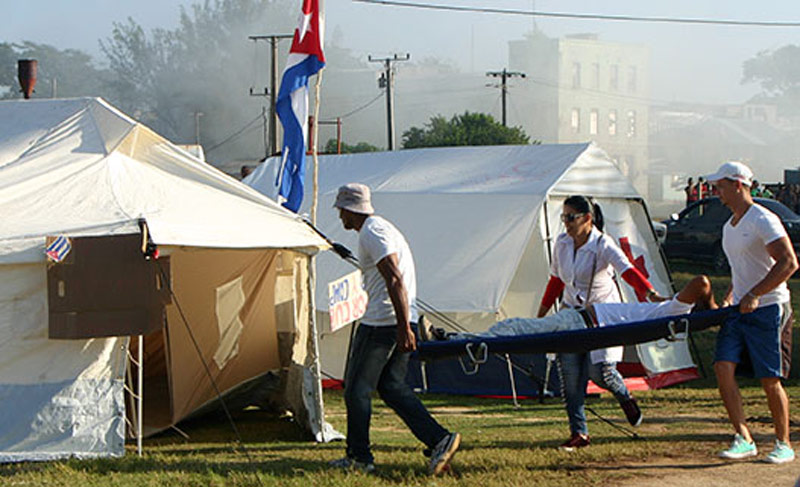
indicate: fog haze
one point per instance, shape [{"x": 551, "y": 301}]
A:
[
  {"x": 688, "y": 64},
  {"x": 692, "y": 63}
]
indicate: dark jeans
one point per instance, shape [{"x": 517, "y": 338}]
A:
[
  {"x": 576, "y": 369},
  {"x": 375, "y": 364}
]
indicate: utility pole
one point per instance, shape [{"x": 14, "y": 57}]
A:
[
  {"x": 273, "y": 88},
  {"x": 197, "y": 116},
  {"x": 504, "y": 75},
  {"x": 387, "y": 81}
]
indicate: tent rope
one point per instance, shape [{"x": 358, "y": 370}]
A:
[{"x": 228, "y": 415}]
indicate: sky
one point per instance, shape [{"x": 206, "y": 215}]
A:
[{"x": 690, "y": 63}]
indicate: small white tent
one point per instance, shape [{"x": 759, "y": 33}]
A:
[
  {"x": 480, "y": 222},
  {"x": 80, "y": 168}
]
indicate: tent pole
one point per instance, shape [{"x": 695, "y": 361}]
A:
[
  {"x": 140, "y": 394},
  {"x": 513, "y": 382}
]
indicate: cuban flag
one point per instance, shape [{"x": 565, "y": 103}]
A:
[
  {"x": 58, "y": 249},
  {"x": 305, "y": 60}
]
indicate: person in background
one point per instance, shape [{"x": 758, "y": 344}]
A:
[
  {"x": 762, "y": 260},
  {"x": 245, "y": 171},
  {"x": 691, "y": 191},
  {"x": 582, "y": 269},
  {"x": 703, "y": 190},
  {"x": 755, "y": 190},
  {"x": 385, "y": 338}
]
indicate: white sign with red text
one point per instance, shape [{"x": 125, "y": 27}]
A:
[{"x": 347, "y": 300}]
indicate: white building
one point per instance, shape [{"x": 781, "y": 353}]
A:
[{"x": 579, "y": 88}]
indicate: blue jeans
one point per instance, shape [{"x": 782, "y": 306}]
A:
[
  {"x": 375, "y": 364},
  {"x": 575, "y": 371}
]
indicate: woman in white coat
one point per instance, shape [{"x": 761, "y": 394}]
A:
[{"x": 582, "y": 269}]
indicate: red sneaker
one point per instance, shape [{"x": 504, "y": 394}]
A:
[{"x": 577, "y": 440}]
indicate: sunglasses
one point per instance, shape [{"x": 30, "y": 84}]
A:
[{"x": 570, "y": 217}]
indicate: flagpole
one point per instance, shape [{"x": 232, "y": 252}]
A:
[{"x": 312, "y": 266}]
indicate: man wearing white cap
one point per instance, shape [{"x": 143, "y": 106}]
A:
[
  {"x": 762, "y": 259},
  {"x": 382, "y": 345}
]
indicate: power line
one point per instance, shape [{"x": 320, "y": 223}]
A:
[
  {"x": 362, "y": 107},
  {"x": 564, "y": 15},
  {"x": 235, "y": 134}
]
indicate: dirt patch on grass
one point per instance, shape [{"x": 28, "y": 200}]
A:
[{"x": 682, "y": 472}]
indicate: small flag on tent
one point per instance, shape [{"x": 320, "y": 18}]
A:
[
  {"x": 305, "y": 60},
  {"x": 58, "y": 249}
]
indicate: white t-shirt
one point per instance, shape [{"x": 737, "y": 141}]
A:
[
  {"x": 616, "y": 313},
  {"x": 745, "y": 245},
  {"x": 377, "y": 239},
  {"x": 602, "y": 255}
]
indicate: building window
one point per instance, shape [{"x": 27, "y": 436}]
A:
[
  {"x": 575, "y": 120},
  {"x": 596, "y": 76},
  {"x": 631, "y": 123},
  {"x": 632, "y": 79},
  {"x": 576, "y": 75},
  {"x": 594, "y": 116},
  {"x": 612, "y": 122},
  {"x": 613, "y": 80}
]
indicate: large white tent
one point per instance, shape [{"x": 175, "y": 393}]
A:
[
  {"x": 80, "y": 168},
  {"x": 480, "y": 222}
]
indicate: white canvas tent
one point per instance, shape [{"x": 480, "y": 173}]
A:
[
  {"x": 480, "y": 222},
  {"x": 79, "y": 167}
]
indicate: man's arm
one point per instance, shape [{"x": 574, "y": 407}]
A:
[
  {"x": 390, "y": 270},
  {"x": 785, "y": 265}
]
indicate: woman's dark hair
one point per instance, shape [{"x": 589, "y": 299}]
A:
[{"x": 583, "y": 204}]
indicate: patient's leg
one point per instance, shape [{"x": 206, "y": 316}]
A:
[
  {"x": 567, "y": 319},
  {"x": 698, "y": 292}
]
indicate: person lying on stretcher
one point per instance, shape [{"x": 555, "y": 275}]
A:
[{"x": 695, "y": 294}]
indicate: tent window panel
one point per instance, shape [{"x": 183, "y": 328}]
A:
[{"x": 230, "y": 302}]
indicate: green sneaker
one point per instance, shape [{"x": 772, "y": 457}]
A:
[
  {"x": 781, "y": 454},
  {"x": 740, "y": 449}
]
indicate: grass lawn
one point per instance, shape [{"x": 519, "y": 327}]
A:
[{"x": 502, "y": 445}]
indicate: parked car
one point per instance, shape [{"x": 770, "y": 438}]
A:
[{"x": 696, "y": 233}]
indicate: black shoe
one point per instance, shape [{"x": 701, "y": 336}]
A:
[{"x": 632, "y": 412}]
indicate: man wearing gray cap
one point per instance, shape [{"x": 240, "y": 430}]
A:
[
  {"x": 384, "y": 339},
  {"x": 762, "y": 260}
]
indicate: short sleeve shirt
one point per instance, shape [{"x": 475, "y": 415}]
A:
[
  {"x": 600, "y": 254},
  {"x": 745, "y": 245},
  {"x": 377, "y": 239}
]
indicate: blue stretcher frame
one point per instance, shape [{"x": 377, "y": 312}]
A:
[{"x": 576, "y": 341}]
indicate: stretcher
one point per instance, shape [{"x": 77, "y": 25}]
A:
[{"x": 673, "y": 328}]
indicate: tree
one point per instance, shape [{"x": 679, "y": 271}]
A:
[
  {"x": 73, "y": 70},
  {"x": 205, "y": 65},
  {"x": 330, "y": 147},
  {"x": 778, "y": 74},
  {"x": 466, "y": 129},
  {"x": 167, "y": 76}
]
